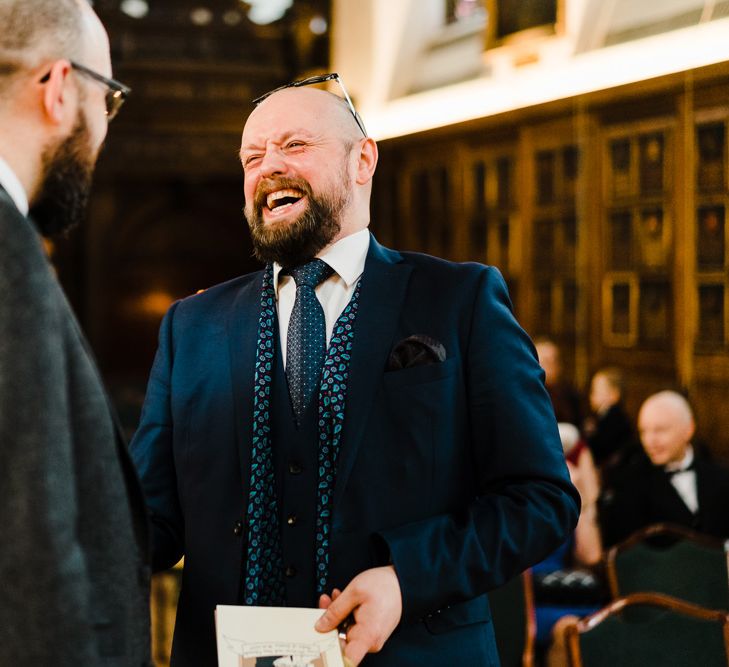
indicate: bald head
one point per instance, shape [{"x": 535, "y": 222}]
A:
[
  {"x": 53, "y": 114},
  {"x": 666, "y": 426},
  {"x": 670, "y": 402},
  {"x": 310, "y": 106},
  {"x": 39, "y": 30}
]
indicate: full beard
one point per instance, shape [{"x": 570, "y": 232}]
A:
[
  {"x": 68, "y": 169},
  {"x": 295, "y": 242}
]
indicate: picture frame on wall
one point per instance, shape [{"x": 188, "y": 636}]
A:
[
  {"x": 654, "y": 313},
  {"x": 620, "y": 310},
  {"x": 713, "y": 315},
  {"x": 654, "y": 237},
  {"x": 711, "y": 237}
]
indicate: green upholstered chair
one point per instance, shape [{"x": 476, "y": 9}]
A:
[
  {"x": 666, "y": 632},
  {"x": 669, "y": 559}
]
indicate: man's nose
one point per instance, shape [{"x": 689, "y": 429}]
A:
[{"x": 272, "y": 163}]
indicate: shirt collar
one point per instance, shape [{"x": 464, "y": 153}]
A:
[
  {"x": 13, "y": 187},
  {"x": 347, "y": 257},
  {"x": 684, "y": 463}
]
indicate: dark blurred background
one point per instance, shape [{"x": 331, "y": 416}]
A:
[{"x": 166, "y": 213}]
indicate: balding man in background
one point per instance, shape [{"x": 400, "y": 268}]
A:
[
  {"x": 349, "y": 419},
  {"x": 673, "y": 482},
  {"x": 73, "y": 560}
]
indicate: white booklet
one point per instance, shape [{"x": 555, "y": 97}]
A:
[{"x": 273, "y": 637}]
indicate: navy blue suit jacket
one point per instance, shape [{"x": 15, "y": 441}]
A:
[{"x": 452, "y": 471}]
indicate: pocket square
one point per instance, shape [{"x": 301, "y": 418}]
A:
[{"x": 416, "y": 350}]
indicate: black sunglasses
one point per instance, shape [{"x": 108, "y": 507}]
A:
[
  {"x": 313, "y": 80},
  {"x": 116, "y": 91}
]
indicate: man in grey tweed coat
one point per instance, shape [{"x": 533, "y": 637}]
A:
[{"x": 74, "y": 577}]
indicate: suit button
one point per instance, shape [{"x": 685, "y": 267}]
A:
[
  {"x": 290, "y": 571},
  {"x": 238, "y": 528},
  {"x": 295, "y": 468},
  {"x": 291, "y": 521}
]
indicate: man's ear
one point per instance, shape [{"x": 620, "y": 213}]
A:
[
  {"x": 690, "y": 430},
  {"x": 58, "y": 98},
  {"x": 614, "y": 396},
  {"x": 367, "y": 161}
]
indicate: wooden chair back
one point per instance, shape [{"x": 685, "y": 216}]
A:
[
  {"x": 650, "y": 629},
  {"x": 670, "y": 559}
]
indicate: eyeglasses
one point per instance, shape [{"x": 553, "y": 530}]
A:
[
  {"x": 116, "y": 92},
  {"x": 312, "y": 80}
]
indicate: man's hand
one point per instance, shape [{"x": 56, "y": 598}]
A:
[{"x": 373, "y": 598}]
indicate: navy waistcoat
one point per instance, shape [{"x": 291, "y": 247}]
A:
[{"x": 295, "y": 459}]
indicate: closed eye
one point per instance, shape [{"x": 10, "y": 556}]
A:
[{"x": 251, "y": 159}]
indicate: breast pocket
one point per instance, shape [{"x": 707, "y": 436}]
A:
[
  {"x": 416, "y": 397},
  {"x": 393, "y": 478},
  {"x": 424, "y": 374},
  {"x": 418, "y": 419}
]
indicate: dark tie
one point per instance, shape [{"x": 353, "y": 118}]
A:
[{"x": 306, "y": 338}]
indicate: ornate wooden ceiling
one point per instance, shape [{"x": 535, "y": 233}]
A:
[
  {"x": 194, "y": 66},
  {"x": 220, "y": 31}
]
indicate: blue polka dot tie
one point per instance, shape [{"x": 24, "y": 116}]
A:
[{"x": 306, "y": 338}]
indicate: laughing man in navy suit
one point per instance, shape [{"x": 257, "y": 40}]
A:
[{"x": 422, "y": 470}]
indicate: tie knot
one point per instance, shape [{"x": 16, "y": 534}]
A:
[{"x": 312, "y": 273}]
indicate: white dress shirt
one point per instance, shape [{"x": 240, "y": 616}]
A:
[
  {"x": 347, "y": 258},
  {"x": 13, "y": 187},
  {"x": 684, "y": 480}
]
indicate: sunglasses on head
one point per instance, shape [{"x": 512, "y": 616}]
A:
[{"x": 313, "y": 80}]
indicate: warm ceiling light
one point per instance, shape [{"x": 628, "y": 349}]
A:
[
  {"x": 264, "y": 12},
  {"x": 318, "y": 24},
  {"x": 137, "y": 9},
  {"x": 232, "y": 17},
  {"x": 201, "y": 16}
]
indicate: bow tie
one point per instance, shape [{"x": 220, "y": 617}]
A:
[{"x": 676, "y": 471}]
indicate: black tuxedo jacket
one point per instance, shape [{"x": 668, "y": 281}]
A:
[
  {"x": 613, "y": 432},
  {"x": 645, "y": 495}
]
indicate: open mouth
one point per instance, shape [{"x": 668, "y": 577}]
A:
[{"x": 281, "y": 200}]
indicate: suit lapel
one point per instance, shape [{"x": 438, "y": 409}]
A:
[
  {"x": 242, "y": 328},
  {"x": 384, "y": 283},
  {"x": 666, "y": 495},
  {"x": 5, "y": 198},
  {"x": 702, "y": 487}
]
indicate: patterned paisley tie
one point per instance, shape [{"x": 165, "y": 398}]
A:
[{"x": 306, "y": 338}]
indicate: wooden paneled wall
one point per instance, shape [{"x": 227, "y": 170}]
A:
[{"x": 607, "y": 215}]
